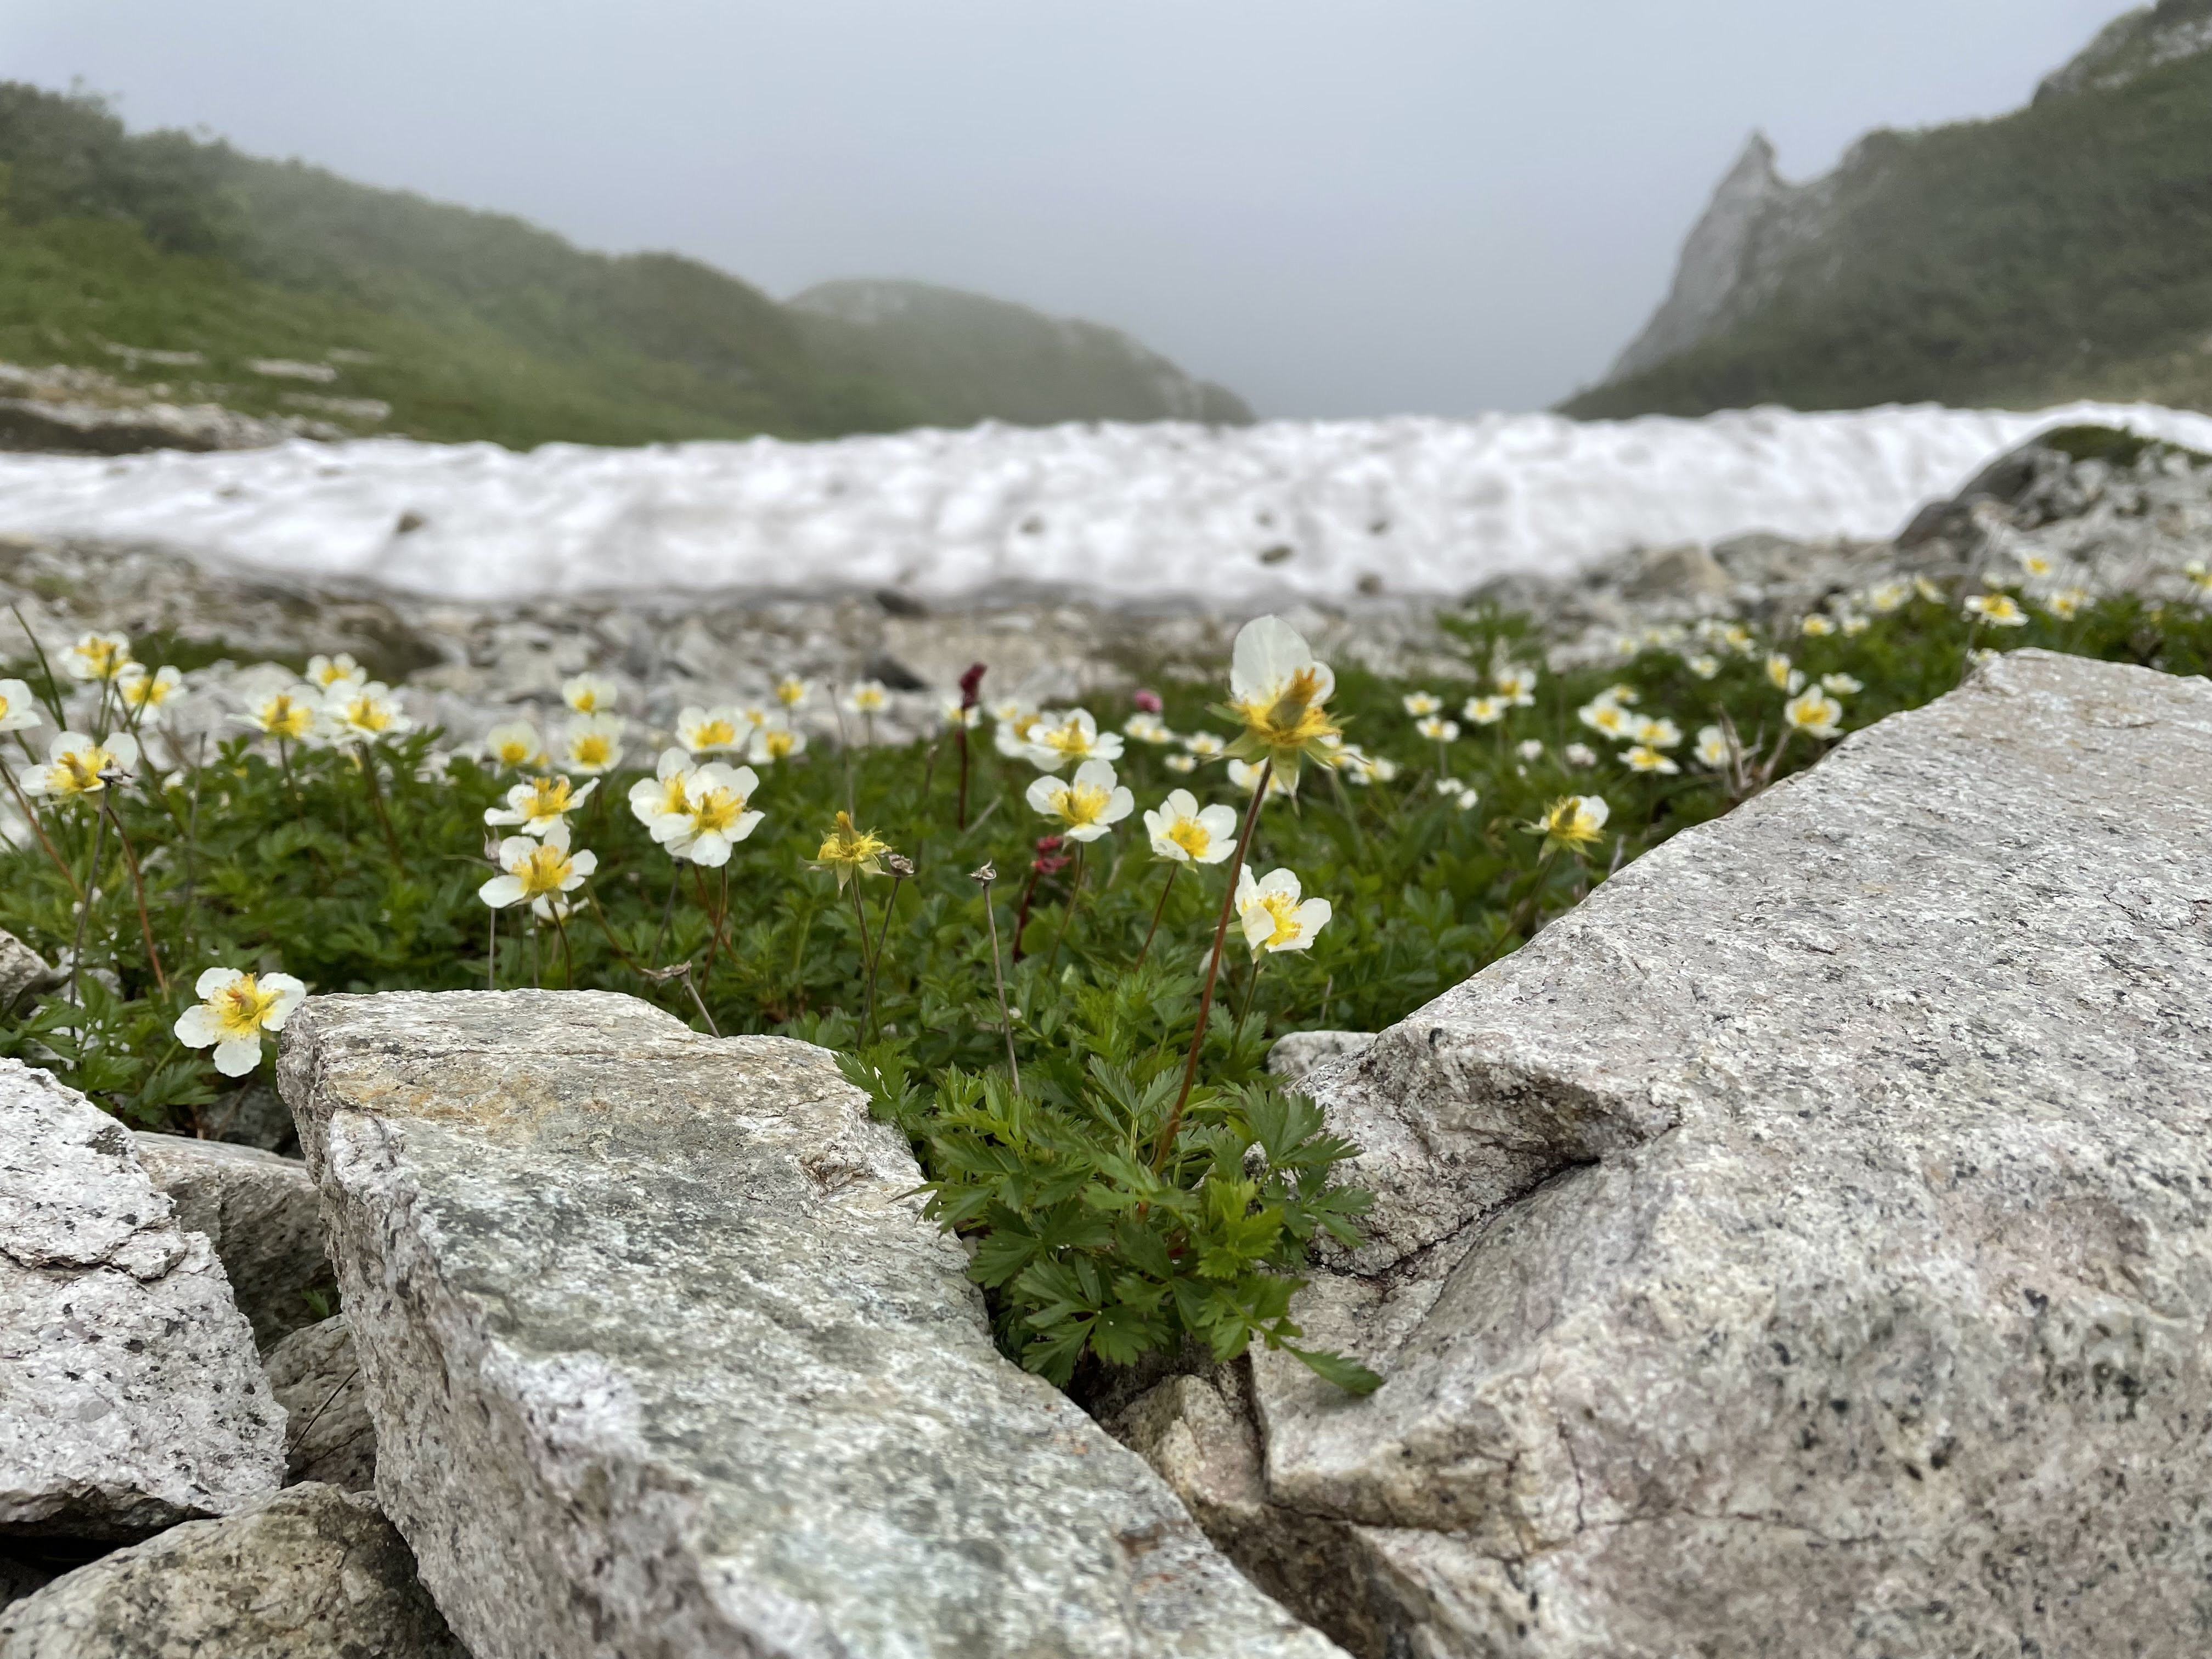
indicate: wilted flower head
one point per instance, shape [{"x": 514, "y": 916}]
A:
[
  {"x": 1572, "y": 823},
  {"x": 515, "y": 745},
  {"x": 234, "y": 1012},
  {"x": 149, "y": 696},
  {"x": 591, "y": 694},
  {"x": 957, "y": 714},
  {"x": 1147, "y": 702},
  {"x": 1273, "y": 917},
  {"x": 971, "y": 684},
  {"x": 711, "y": 731},
  {"x": 324, "y": 673},
  {"x": 1088, "y": 804},
  {"x": 537, "y": 872},
  {"x": 1186, "y": 833},
  {"x": 19, "y": 711},
  {"x": 77, "y": 767},
  {"x": 595, "y": 744},
  {"x": 1280, "y": 690},
  {"x": 98, "y": 657},
  {"x": 537, "y": 805},
  {"x": 848, "y": 852},
  {"x": 1998, "y": 610},
  {"x": 1814, "y": 713},
  {"x": 1047, "y": 859},
  {"x": 356, "y": 712}
]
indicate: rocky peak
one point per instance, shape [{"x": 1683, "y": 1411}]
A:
[{"x": 2133, "y": 45}]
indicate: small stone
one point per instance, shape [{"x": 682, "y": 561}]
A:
[
  {"x": 131, "y": 1398},
  {"x": 310, "y": 1573},
  {"x": 23, "y": 974},
  {"x": 316, "y": 1377},
  {"x": 262, "y": 1214}
]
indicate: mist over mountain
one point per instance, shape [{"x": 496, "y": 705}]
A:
[{"x": 2052, "y": 253}]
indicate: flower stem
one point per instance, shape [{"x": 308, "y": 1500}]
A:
[
  {"x": 861, "y": 915},
  {"x": 138, "y": 892},
  {"x": 84, "y": 913},
  {"x": 51, "y": 697},
  {"x": 1174, "y": 1125},
  {"x": 1067, "y": 920},
  {"x": 492, "y": 950},
  {"x": 376, "y": 800},
  {"x": 1251, "y": 985},
  {"x": 999, "y": 978},
  {"x": 883, "y": 941},
  {"x": 567, "y": 961},
  {"x": 960, "y": 737},
  {"x": 1159, "y": 910}
]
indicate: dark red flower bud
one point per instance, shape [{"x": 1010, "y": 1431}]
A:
[{"x": 971, "y": 684}]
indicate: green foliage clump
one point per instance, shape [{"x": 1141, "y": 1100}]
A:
[{"x": 1130, "y": 1179}]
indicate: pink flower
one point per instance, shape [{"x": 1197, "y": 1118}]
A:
[{"x": 1148, "y": 701}]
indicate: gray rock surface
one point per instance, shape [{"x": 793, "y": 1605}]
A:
[
  {"x": 310, "y": 1573},
  {"x": 130, "y": 1394},
  {"x": 23, "y": 974},
  {"x": 316, "y": 1377},
  {"x": 264, "y": 1217},
  {"x": 1805, "y": 1246},
  {"x": 663, "y": 1358},
  {"x": 1299, "y": 1052}
]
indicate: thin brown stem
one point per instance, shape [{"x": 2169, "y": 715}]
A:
[
  {"x": 861, "y": 915},
  {"x": 1159, "y": 910},
  {"x": 138, "y": 892},
  {"x": 1067, "y": 920},
  {"x": 84, "y": 912},
  {"x": 998, "y": 979},
  {"x": 567, "y": 961},
  {"x": 1174, "y": 1125},
  {"x": 960, "y": 737}
]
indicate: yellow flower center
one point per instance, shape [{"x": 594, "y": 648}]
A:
[
  {"x": 105, "y": 658},
  {"x": 548, "y": 798},
  {"x": 777, "y": 745},
  {"x": 790, "y": 693},
  {"x": 1070, "y": 739},
  {"x": 1567, "y": 823},
  {"x": 849, "y": 846},
  {"x": 673, "y": 796},
  {"x": 1293, "y": 720},
  {"x": 283, "y": 717},
  {"x": 513, "y": 752},
  {"x": 542, "y": 871},
  {"x": 240, "y": 1007},
  {"x": 1191, "y": 836},
  {"x": 868, "y": 701},
  {"x": 1080, "y": 804},
  {"x": 367, "y": 714},
  {"x": 709, "y": 734},
  {"x": 715, "y": 812},
  {"x": 1282, "y": 910},
  {"x": 80, "y": 769},
  {"x": 593, "y": 749}
]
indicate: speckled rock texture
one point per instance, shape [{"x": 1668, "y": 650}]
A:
[
  {"x": 316, "y": 1378},
  {"x": 310, "y": 1573},
  {"x": 261, "y": 1214},
  {"x": 1805, "y": 1246},
  {"x": 664, "y": 1360},
  {"x": 1298, "y": 1053},
  {"x": 129, "y": 1396}
]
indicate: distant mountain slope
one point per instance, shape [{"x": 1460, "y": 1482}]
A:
[
  {"x": 2057, "y": 252},
  {"x": 185, "y": 268},
  {"x": 973, "y": 358}
]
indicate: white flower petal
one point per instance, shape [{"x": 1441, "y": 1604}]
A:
[{"x": 238, "y": 1056}]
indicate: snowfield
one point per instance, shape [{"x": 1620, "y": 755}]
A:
[{"x": 1135, "y": 514}]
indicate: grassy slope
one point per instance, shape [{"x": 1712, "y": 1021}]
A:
[{"x": 2056, "y": 253}]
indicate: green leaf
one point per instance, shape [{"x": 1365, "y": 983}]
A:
[{"x": 1347, "y": 1374}]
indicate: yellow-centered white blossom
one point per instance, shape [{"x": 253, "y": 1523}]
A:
[
  {"x": 1516, "y": 684},
  {"x": 1998, "y": 610},
  {"x": 1422, "y": 704},
  {"x": 595, "y": 744},
  {"x": 716, "y": 815},
  {"x": 1814, "y": 713},
  {"x": 538, "y": 871},
  {"x": 793, "y": 693},
  {"x": 1572, "y": 823},
  {"x": 1644, "y": 758},
  {"x": 778, "y": 740},
  {"x": 1437, "y": 729},
  {"x": 1071, "y": 735},
  {"x": 515, "y": 746},
  {"x": 78, "y": 766},
  {"x": 1088, "y": 805},
  {"x": 1280, "y": 691},
  {"x": 98, "y": 657},
  {"x": 1272, "y": 916},
  {"x": 324, "y": 672},
  {"x": 869, "y": 697},
  {"x": 591, "y": 694},
  {"x": 149, "y": 696},
  {"x": 1485, "y": 711},
  {"x": 289, "y": 716},
  {"x": 356, "y": 712},
  {"x": 537, "y": 805},
  {"x": 1184, "y": 832},
  {"x": 667, "y": 792},
  {"x": 712, "y": 730},
  {"x": 19, "y": 710},
  {"x": 1713, "y": 749},
  {"x": 235, "y": 1010},
  {"x": 1702, "y": 666}
]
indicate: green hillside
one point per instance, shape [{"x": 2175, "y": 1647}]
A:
[
  {"x": 2063, "y": 251},
  {"x": 469, "y": 325}
]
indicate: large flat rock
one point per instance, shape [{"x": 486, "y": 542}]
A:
[
  {"x": 261, "y": 1214},
  {"x": 310, "y": 1573},
  {"x": 129, "y": 1396},
  {"x": 663, "y": 1360},
  {"x": 1805, "y": 1246}
]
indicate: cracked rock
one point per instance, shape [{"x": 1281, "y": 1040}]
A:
[
  {"x": 261, "y": 1214},
  {"x": 663, "y": 1358},
  {"x": 1805, "y": 1245},
  {"x": 316, "y": 1378},
  {"x": 129, "y": 1396}
]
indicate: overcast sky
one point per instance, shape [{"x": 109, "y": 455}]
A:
[{"x": 1337, "y": 207}]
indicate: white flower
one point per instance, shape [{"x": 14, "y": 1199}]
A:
[
  {"x": 1658, "y": 733},
  {"x": 1089, "y": 805},
  {"x": 1355, "y": 765},
  {"x": 1713, "y": 747},
  {"x": 1183, "y": 764},
  {"x": 1928, "y": 590},
  {"x": 1517, "y": 685},
  {"x": 1485, "y": 711},
  {"x": 1073, "y": 735},
  {"x": 1780, "y": 675},
  {"x": 1437, "y": 729},
  {"x": 591, "y": 694},
  {"x": 1844, "y": 685},
  {"x": 354, "y": 713},
  {"x": 2033, "y": 564},
  {"x": 1605, "y": 715},
  {"x": 1886, "y": 597},
  {"x": 777, "y": 740},
  {"x": 711, "y": 731},
  {"x": 1573, "y": 822},
  {"x": 1016, "y": 720},
  {"x": 1381, "y": 768},
  {"x": 1815, "y": 713},
  {"x": 1852, "y": 623},
  {"x": 667, "y": 792},
  {"x": 1644, "y": 758},
  {"x": 1704, "y": 666},
  {"x": 1580, "y": 754},
  {"x": 716, "y": 815},
  {"x": 1998, "y": 610},
  {"x": 19, "y": 711},
  {"x": 868, "y": 697},
  {"x": 793, "y": 693},
  {"x": 1422, "y": 704},
  {"x": 1816, "y": 626},
  {"x": 1146, "y": 727},
  {"x": 2199, "y": 576},
  {"x": 537, "y": 872},
  {"x": 537, "y": 805},
  {"x": 595, "y": 744},
  {"x": 2066, "y": 604},
  {"x": 1280, "y": 690},
  {"x": 515, "y": 746},
  {"x": 1530, "y": 749},
  {"x": 958, "y": 715},
  {"x": 326, "y": 672},
  {"x": 1183, "y": 831},
  {"x": 234, "y": 1009},
  {"x": 1204, "y": 744},
  {"x": 288, "y": 716},
  {"x": 148, "y": 695},
  {"x": 1461, "y": 795},
  {"x": 1246, "y": 777},
  {"x": 77, "y": 767},
  {"x": 1272, "y": 918},
  {"x": 98, "y": 657}
]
